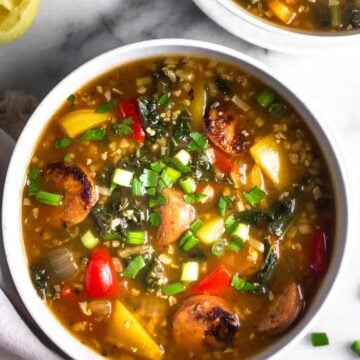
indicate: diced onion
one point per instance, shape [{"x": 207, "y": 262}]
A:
[{"x": 240, "y": 103}]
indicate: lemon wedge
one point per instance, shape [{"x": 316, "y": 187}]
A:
[{"x": 16, "y": 17}]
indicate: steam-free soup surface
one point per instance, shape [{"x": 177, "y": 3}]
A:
[
  {"x": 329, "y": 16},
  {"x": 177, "y": 208}
]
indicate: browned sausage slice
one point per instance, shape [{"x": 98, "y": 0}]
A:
[
  {"x": 78, "y": 189},
  {"x": 284, "y": 311},
  {"x": 176, "y": 217},
  {"x": 205, "y": 321},
  {"x": 225, "y": 129}
]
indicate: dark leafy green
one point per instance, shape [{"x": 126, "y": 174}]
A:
[
  {"x": 123, "y": 127},
  {"x": 155, "y": 276},
  {"x": 63, "y": 143},
  {"x": 269, "y": 265},
  {"x": 104, "y": 108},
  {"x": 94, "y": 135}
]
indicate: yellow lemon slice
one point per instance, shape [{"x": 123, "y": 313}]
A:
[{"x": 16, "y": 17}]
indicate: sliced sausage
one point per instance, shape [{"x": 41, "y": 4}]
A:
[
  {"x": 205, "y": 321},
  {"x": 176, "y": 217},
  {"x": 284, "y": 311},
  {"x": 78, "y": 189},
  {"x": 225, "y": 129}
]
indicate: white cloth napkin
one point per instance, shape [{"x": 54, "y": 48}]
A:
[{"x": 17, "y": 331}]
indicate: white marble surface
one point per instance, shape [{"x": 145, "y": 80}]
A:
[{"x": 67, "y": 33}]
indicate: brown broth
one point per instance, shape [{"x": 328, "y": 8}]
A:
[{"x": 294, "y": 249}]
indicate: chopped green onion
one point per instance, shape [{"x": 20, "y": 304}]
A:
[
  {"x": 242, "y": 285},
  {"x": 71, "y": 99},
  {"x": 223, "y": 203},
  {"x": 198, "y": 142},
  {"x": 149, "y": 178},
  {"x": 67, "y": 158},
  {"x": 112, "y": 186},
  {"x": 155, "y": 218},
  {"x": 218, "y": 247},
  {"x": 89, "y": 240},
  {"x": 113, "y": 235},
  {"x": 136, "y": 237},
  {"x": 180, "y": 166},
  {"x": 235, "y": 245},
  {"x": 122, "y": 177},
  {"x": 241, "y": 231},
  {"x": 189, "y": 271},
  {"x": 123, "y": 127},
  {"x": 104, "y": 108},
  {"x": 173, "y": 289},
  {"x": 134, "y": 266},
  {"x": 165, "y": 180},
  {"x": 254, "y": 196},
  {"x": 319, "y": 339},
  {"x": 183, "y": 156},
  {"x": 163, "y": 99},
  {"x": 157, "y": 166},
  {"x": 94, "y": 135},
  {"x": 158, "y": 200},
  {"x": 188, "y": 241},
  {"x": 151, "y": 191},
  {"x": 356, "y": 347},
  {"x": 196, "y": 225},
  {"x": 230, "y": 224},
  {"x": 48, "y": 198},
  {"x": 188, "y": 234},
  {"x": 173, "y": 174},
  {"x": 336, "y": 18},
  {"x": 188, "y": 185},
  {"x": 194, "y": 198},
  {"x": 265, "y": 98},
  {"x": 63, "y": 143},
  {"x": 136, "y": 187},
  {"x": 277, "y": 110},
  {"x": 34, "y": 180}
]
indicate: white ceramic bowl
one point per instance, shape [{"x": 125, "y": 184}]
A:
[
  {"x": 12, "y": 200},
  {"x": 245, "y": 25}
]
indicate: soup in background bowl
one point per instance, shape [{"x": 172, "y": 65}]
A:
[{"x": 174, "y": 204}]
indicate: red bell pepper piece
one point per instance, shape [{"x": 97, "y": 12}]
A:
[
  {"x": 130, "y": 109},
  {"x": 100, "y": 277},
  {"x": 223, "y": 161},
  {"x": 216, "y": 283},
  {"x": 319, "y": 251}
]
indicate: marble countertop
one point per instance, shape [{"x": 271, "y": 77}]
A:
[{"x": 67, "y": 33}]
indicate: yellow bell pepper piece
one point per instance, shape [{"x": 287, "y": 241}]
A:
[
  {"x": 212, "y": 230},
  {"x": 281, "y": 11},
  {"x": 77, "y": 122},
  {"x": 198, "y": 104},
  {"x": 126, "y": 332},
  {"x": 273, "y": 161}
]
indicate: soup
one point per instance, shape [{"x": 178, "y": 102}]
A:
[
  {"x": 314, "y": 15},
  {"x": 177, "y": 208}
]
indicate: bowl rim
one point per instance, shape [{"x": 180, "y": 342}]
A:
[
  {"x": 15, "y": 181},
  {"x": 243, "y": 24}
]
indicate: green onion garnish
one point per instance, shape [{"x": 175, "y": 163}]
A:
[
  {"x": 173, "y": 289},
  {"x": 158, "y": 200},
  {"x": 155, "y": 218},
  {"x": 136, "y": 187},
  {"x": 241, "y": 231},
  {"x": 151, "y": 191},
  {"x": 89, "y": 240},
  {"x": 193, "y": 198},
  {"x": 196, "y": 225},
  {"x": 34, "y": 180},
  {"x": 180, "y": 166},
  {"x": 113, "y": 235},
  {"x": 218, "y": 247},
  {"x": 198, "y": 142},
  {"x": 135, "y": 265},
  {"x": 163, "y": 99},
  {"x": 173, "y": 174},
  {"x": 254, "y": 196},
  {"x": 188, "y": 241},
  {"x": 104, "y": 108},
  {"x": 223, "y": 203},
  {"x": 356, "y": 347},
  {"x": 149, "y": 178},
  {"x": 136, "y": 237},
  {"x": 277, "y": 110},
  {"x": 48, "y": 198},
  {"x": 63, "y": 143},
  {"x": 230, "y": 224},
  {"x": 94, "y": 135},
  {"x": 235, "y": 245},
  {"x": 319, "y": 339},
  {"x": 265, "y": 98},
  {"x": 67, "y": 158},
  {"x": 157, "y": 166},
  {"x": 165, "y": 180},
  {"x": 188, "y": 185},
  {"x": 123, "y": 127},
  {"x": 242, "y": 285}
]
